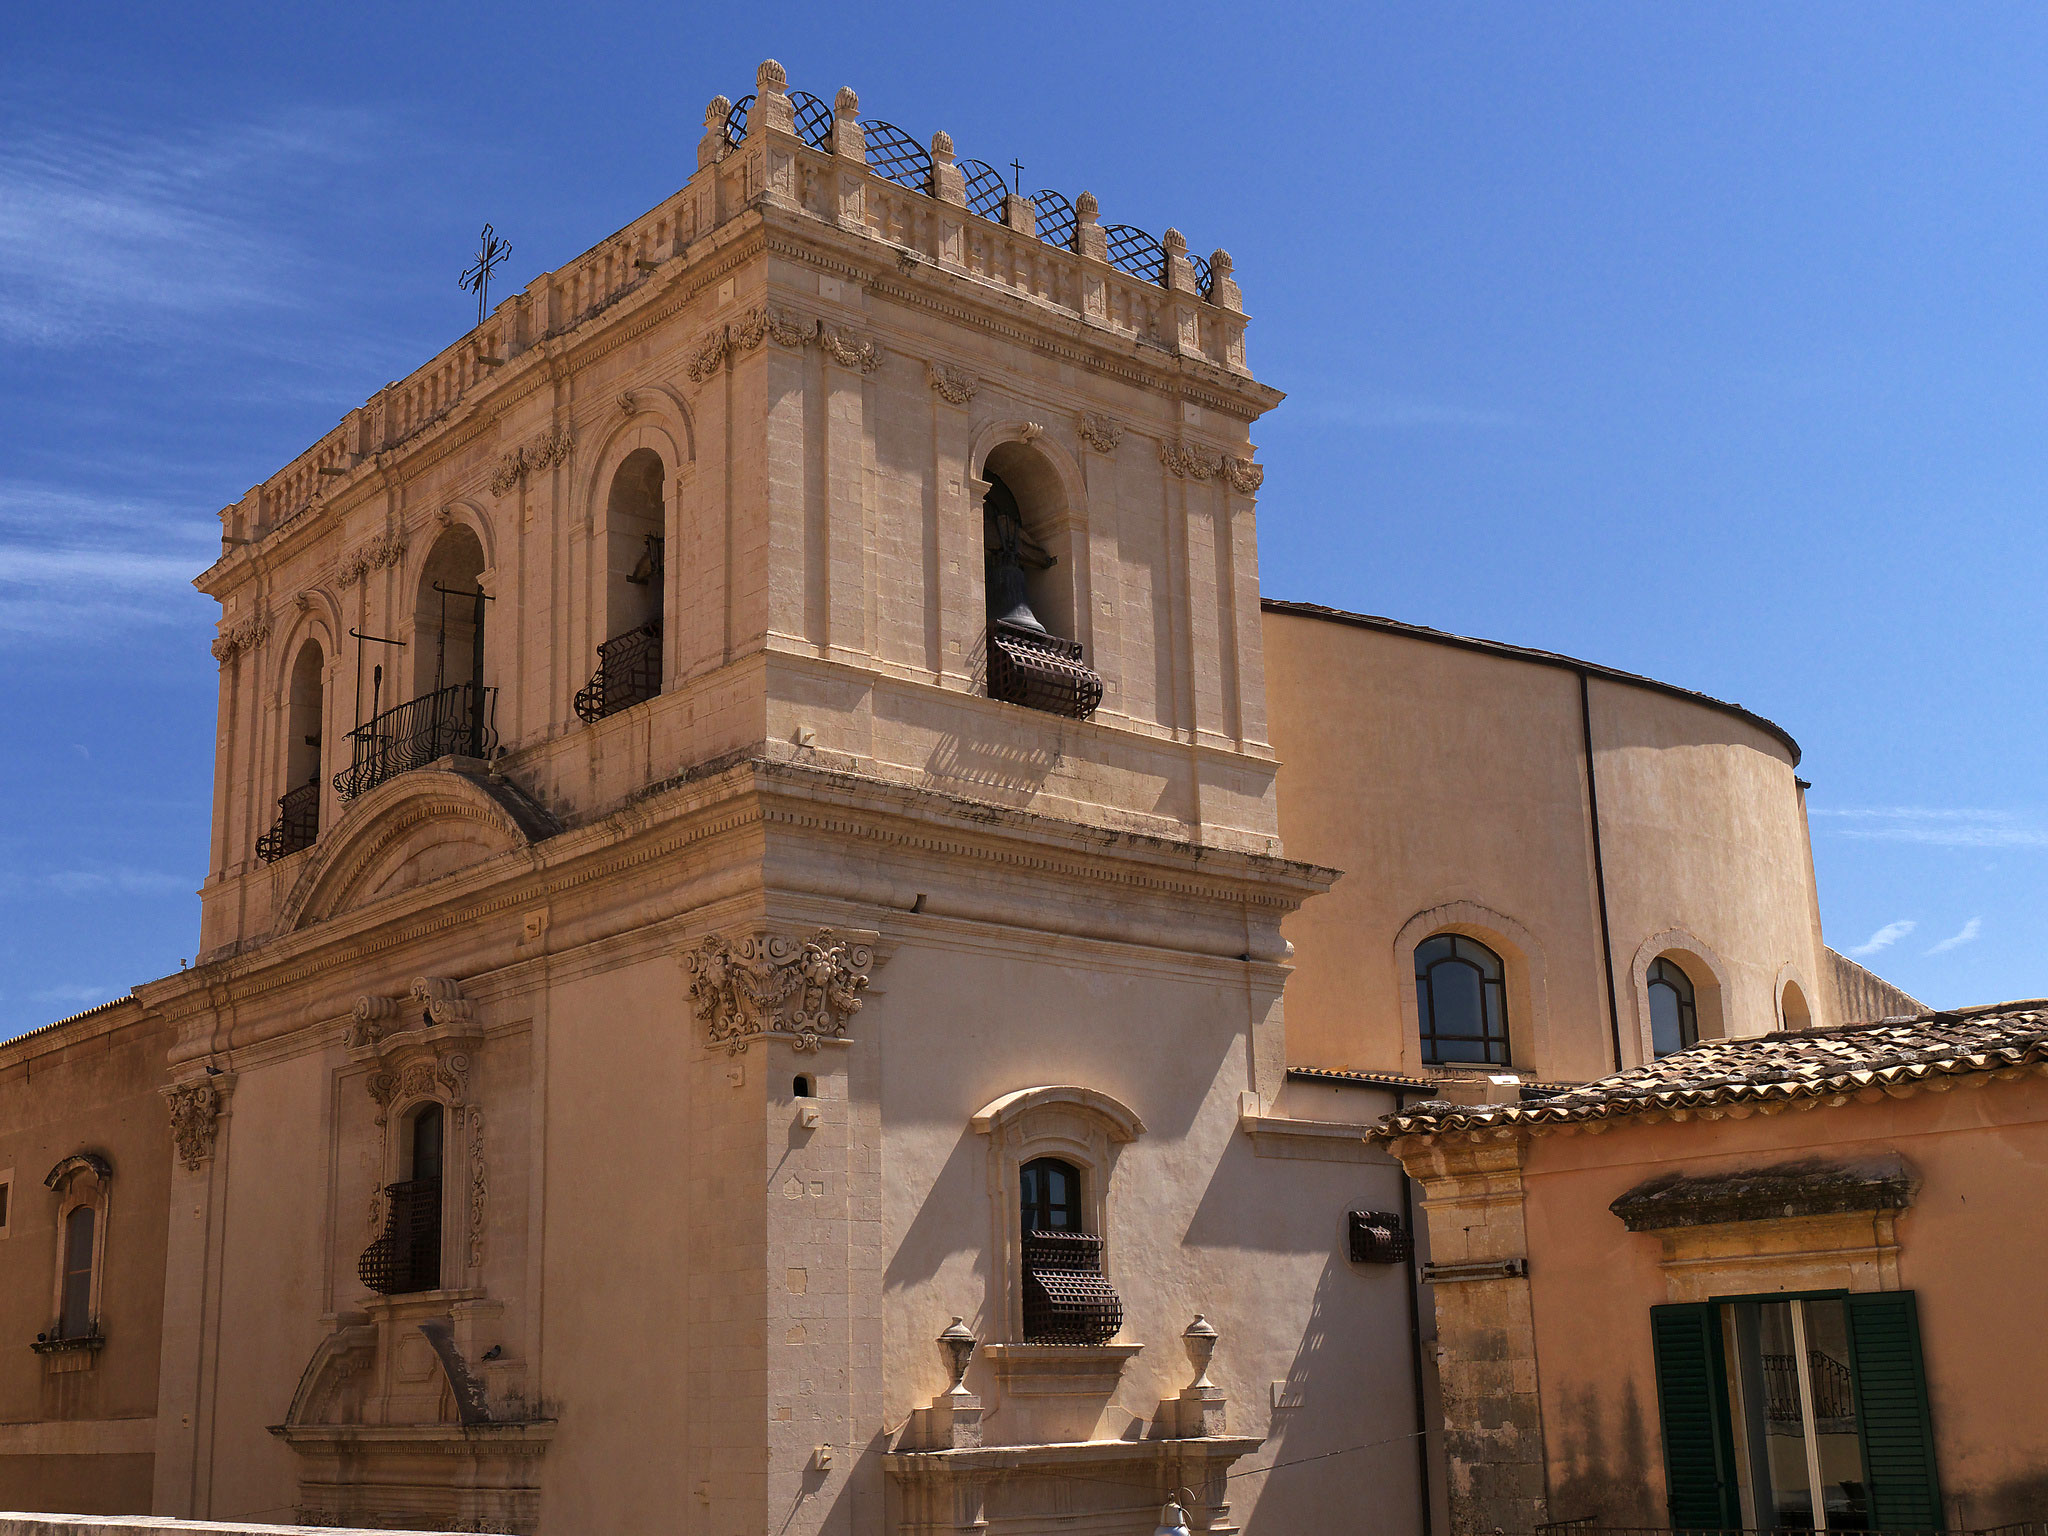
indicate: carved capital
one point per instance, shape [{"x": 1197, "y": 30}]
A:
[
  {"x": 195, "y": 1117},
  {"x": 1244, "y": 476},
  {"x": 242, "y": 635},
  {"x": 767, "y": 984},
  {"x": 1187, "y": 462}
]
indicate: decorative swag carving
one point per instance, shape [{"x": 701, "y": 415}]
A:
[{"x": 767, "y": 984}]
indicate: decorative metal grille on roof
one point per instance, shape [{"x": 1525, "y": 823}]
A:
[
  {"x": 736, "y": 119},
  {"x": 1136, "y": 252},
  {"x": 985, "y": 189},
  {"x": 1057, "y": 220},
  {"x": 896, "y": 155},
  {"x": 813, "y": 120},
  {"x": 1066, "y": 1298},
  {"x": 1202, "y": 277}
]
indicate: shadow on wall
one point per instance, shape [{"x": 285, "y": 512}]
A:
[
  {"x": 1598, "y": 1470},
  {"x": 936, "y": 1232},
  {"x": 1010, "y": 773}
]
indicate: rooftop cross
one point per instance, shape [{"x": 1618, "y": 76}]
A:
[
  {"x": 478, "y": 277},
  {"x": 1017, "y": 177}
]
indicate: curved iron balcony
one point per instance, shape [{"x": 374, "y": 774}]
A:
[
  {"x": 1066, "y": 1298},
  {"x": 456, "y": 721},
  {"x": 406, "y": 1255},
  {"x": 628, "y": 673},
  {"x": 297, "y": 824}
]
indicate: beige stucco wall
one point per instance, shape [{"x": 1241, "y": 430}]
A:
[
  {"x": 1970, "y": 1245},
  {"x": 1449, "y": 783},
  {"x": 82, "y": 1440}
]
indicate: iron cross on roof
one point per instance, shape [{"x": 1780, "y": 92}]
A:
[
  {"x": 478, "y": 277},
  {"x": 1017, "y": 177}
]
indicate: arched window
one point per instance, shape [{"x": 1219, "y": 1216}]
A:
[
  {"x": 1049, "y": 1194},
  {"x": 1033, "y": 657},
  {"x": 450, "y": 712},
  {"x": 298, "y": 809},
  {"x": 406, "y": 1255},
  {"x": 74, "y": 1311},
  {"x": 1461, "y": 1001},
  {"x": 629, "y": 659},
  {"x": 1792, "y": 1010},
  {"x": 1674, "y": 1014}
]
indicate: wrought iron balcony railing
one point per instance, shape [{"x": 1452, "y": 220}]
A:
[
  {"x": 456, "y": 721},
  {"x": 628, "y": 672},
  {"x": 406, "y": 1255},
  {"x": 297, "y": 824},
  {"x": 1066, "y": 1298},
  {"x": 1040, "y": 671}
]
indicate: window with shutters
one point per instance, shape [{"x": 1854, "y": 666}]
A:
[{"x": 1796, "y": 1413}]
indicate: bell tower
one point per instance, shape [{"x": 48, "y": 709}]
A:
[{"x": 767, "y": 733}]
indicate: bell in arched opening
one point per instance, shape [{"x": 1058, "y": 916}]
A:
[
  {"x": 1027, "y": 663},
  {"x": 1010, "y": 550}
]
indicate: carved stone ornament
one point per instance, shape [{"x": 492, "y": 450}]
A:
[
  {"x": 544, "y": 452},
  {"x": 1102, "y": 433},
  {"x": 764, "y": 322},
  {"x": 242, "y": 635},
  {"x": 195, "y": 1117},
  {"x": 386, "y": 549},
  {"x": 1244, "y": 476},
  {"x": 1187, "y": 462},
  {"x": 849, "y": 348},
  {"x": 765, "y": 984},
  {"x": 478, "y": 1188},
  {"x": 954, "y": 386},
  {"x": 425, "y": 1077}
]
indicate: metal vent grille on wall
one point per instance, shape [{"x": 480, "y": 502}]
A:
[{"x": 1377, "y": 1237}]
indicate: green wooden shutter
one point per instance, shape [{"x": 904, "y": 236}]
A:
[
  {"x": 1692, "y": 1399},
  {"x": 1891, "y": 1408}
]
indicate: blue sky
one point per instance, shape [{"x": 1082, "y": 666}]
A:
[{"x": 1705, "y": 341}]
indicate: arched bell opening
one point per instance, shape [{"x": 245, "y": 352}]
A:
[
  {"x": 629, "y": 660},
  {"x": 1033, "y": 659},
  {"x": 450, "y": 711},
  {"x": 298, "y": 809}
]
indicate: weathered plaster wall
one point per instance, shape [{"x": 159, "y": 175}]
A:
[
  {"x": 82, "y": 1439},
  {"x": 1450, "y": 785}
]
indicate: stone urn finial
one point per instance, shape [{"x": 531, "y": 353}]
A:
[
  {"x": 1199, "y": 1340},
  {"x": 956, "y": 1344}
]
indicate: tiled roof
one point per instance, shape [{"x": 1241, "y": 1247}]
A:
[{"x": 1773, "y": 1069}]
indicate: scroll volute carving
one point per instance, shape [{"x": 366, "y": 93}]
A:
[{"x": 805, "y": 990}]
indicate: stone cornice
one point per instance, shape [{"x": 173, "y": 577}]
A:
[{"x": 740, "y": 795}]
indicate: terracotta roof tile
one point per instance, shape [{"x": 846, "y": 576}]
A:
[{"x": 1771, "y": 1069}]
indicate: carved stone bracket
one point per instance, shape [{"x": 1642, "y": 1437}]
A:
[
  {"x": 424, "y": 1077},
  {"x": 195, "y": 1115},
  {"x": 767, "y": 984},
  {"x": 420, "y": 1042},
  {"x": 242, "y": 635},
  {"x": 955, "y": 387},
  {"x": 1102, "y": 433}
]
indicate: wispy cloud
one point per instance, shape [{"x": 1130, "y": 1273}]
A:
[
  {"x": 1940, "y": 827},
  {"x": 1967, "y": 934},
  {"x": 116, "y": 880},
  {"x": 78, "y": 996},
  {"x": 1885, "y": 937},
  {"x": 72, "y": 563},
  {"x": 104, "y": 233}
]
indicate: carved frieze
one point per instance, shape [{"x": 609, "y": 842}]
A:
[
  {"x": 386, "y": 549},
  {"x": 478, "y": 1188},
  {"x": 1102, "y": 433},
  {"x": 195, "y": 1118},
  {"x": 242, "y": 635},
  {"x": 544, "y": 452},
  {"x": 1245, "y": 477},
  {"x": 768, "y": 984},
  {"x": 424, "y": 1077},
  {"x": 955, "y": 387},
  {"x": 850, "y": 348}
]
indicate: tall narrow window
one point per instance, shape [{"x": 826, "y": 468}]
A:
[
  {"x": 74, "y": 1314},
  {"x": 1674, "y": 1015},
  {"x": 1461, "y": 1001},
  {"x": 406, "y": 1255},
  {"x": 1033, "y": 658},
  {"x": 629, "y": 658},
  {"x": 298, "y": 809},
  {"x": 1067, "y": 1298}
]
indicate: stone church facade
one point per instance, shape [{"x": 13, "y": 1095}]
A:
[{"x": 758, "y": 823}]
